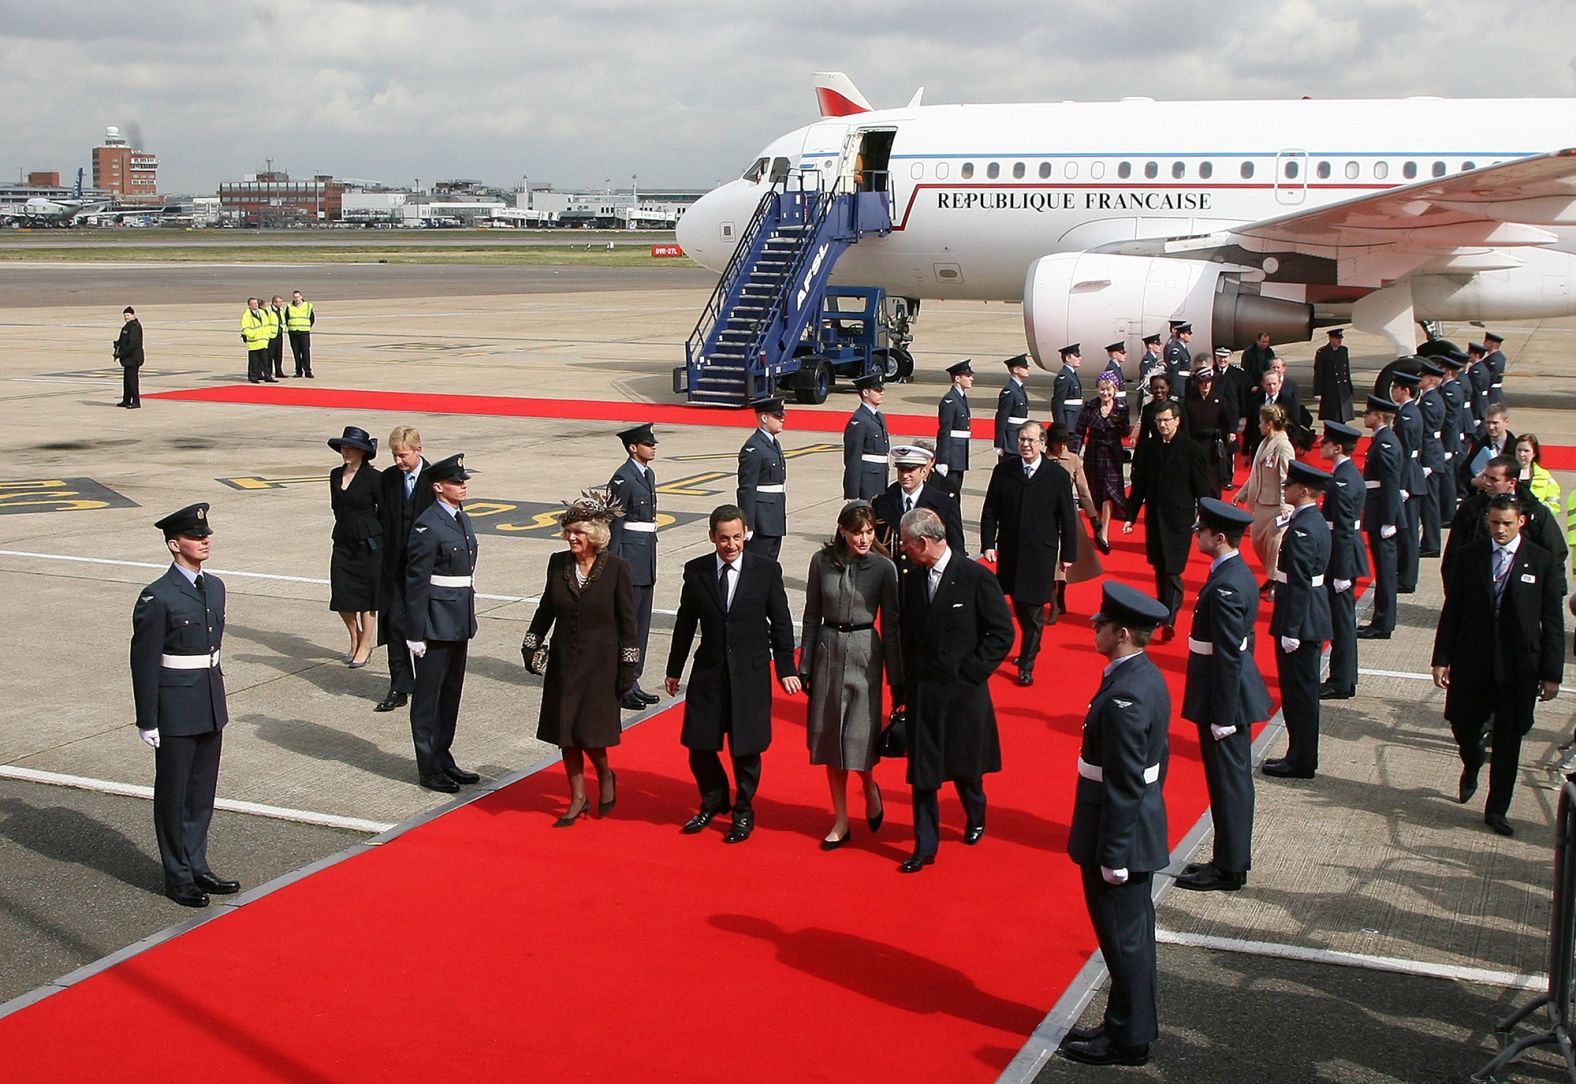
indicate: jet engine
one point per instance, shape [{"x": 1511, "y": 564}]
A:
[{"x": 1095, "y": 299}]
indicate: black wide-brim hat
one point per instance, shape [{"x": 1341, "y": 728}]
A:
[{"x": 355, "y": 437}]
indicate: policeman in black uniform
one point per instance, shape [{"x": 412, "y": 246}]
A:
[
  {"x": 1409, "y": 431},
  {"x": 634, "y": 538},
  {"x": 763, "y": 481},
  {"x": 440, "y": 622},
  {"x": 1067, "y": 392},
  {"x": 1012, "y": 407},
  {"x": 1383, "y": 515},
  {"x": 952, "y": 427},
  {"x": 177, "y": 627},
  {"x": 1332, "y": 378},
  {"x": 1344, "y": 497},
  {"x": 866, "y": 442},
  {"x": 1300, "y": 620},
  {"x": 1118, "y": 834},
  {"x": 1494, "y": 360}
]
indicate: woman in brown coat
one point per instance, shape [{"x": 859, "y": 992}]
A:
[{"x": 593, "y": 652}]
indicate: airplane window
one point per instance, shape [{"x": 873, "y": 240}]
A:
[
  {"x": 993, "y": 170},
  {"x": 1468, "y": 165},
  {"x": 1292, "y": 169},
  {"x": 942, "y": 169},
  {"x": 1323, "y": 171},
  {"x": 1151, "y": 170},
  {"x": 917, "y": 170},
  {"x": 1439, "y": 169},
  {"x": 1178, "y": 169},
  {"x": 1072, "y": 169},
  {"x": 1017, "y": 170},
  {"x": 1045, "y": 169},
  {"x": 1381, "y": 170},
  {"x": 1124, "y": 170},
  {"x": 1206, "y": 170},
  {"x": 779, "y": 170},
  {"x": 1352, "y": 169},
  {"x": 757, "y": 168},
  {"x": 1247, "y": 170},
  {"x": 1097, "y": 170},
  {"x": 1409, "y": 170},
  {"x": 967, "y": 171}
]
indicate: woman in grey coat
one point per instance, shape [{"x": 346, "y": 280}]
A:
[{"x": 852, "y": 586}]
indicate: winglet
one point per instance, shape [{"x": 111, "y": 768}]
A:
[{"x": 837, "y": 96}]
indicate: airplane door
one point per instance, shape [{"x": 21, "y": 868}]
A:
[
  {"x": 867, "y": 154},
  {"x": 1291, "y": 177}
]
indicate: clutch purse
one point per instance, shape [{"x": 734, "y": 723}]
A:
[
  {"x": 534, "y": 655},
  {"x": 894, "y": 736}
]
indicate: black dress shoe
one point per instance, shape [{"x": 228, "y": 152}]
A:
[
  {"x": 1498, "y": 822},
  {"x": 1330, "y": 692},
  {"x": 440, "y": 783},
  {"x": 833, "y": 844},
  {"x": 973, "y": 834},
  {"x": 1212, "y": 879},
  {"x": 631, "y": 702},
  {"x": 1102, "y": 1051},
  {"x": 1428, "y": 553},
  {"x": 572, "y": 814},
  {"x": 218, "y": 886},
  {"x": 460, "y": 775},
  {"x": 1102, "y": 544},
  {"x": 1083, "y": 1035},
  {"x": 187, "y": 895},
  {"x": 878, "y": 818},
  {"x": 649, "y": 698},
  {"x": 1280, "y": 769},
  {"x": 700, "y": 820},
  {"x": 916, "y": 863},
  {"x": 134, "y": 406},
  {"x": 1025, "y": 677},
  {"x": 1404, "y": 590},
  {"x": 1368, "y": 632},
  {"x": 739, "y": 831},
  {"x": 1467, "y": 787},
  {"x": 392, "y": 702}
]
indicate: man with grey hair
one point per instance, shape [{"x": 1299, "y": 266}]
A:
[{"x": 956, "y": 629}]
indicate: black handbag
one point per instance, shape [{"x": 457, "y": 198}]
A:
[{"x": 894, "y": 736}]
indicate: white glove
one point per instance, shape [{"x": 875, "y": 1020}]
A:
[
  {"x": 1342, "y": 585},
  {"x": 1427, "y": 471},
  {"x": 941, "y": 468},
  {"x": 149, "y": 736},
  {"x": 1221, "y": 733},
  {"x": 1290, "y": 644},
  {"x": 1387, "y": 531},
  {"x": 1405, "y": 496},
  {"x": 748, "y": 534},
  {"x": 1114, "y": 876},
  {"x": 417, "y": 648}
]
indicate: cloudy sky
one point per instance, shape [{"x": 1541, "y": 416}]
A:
[{"x": 680, "y": 93}]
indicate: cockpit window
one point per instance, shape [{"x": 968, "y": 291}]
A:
[
  {"x": 756, "y": 170},
  {"x": 779, "y": 170}
]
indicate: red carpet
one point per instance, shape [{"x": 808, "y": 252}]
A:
[{"x": 488, "y": 945}]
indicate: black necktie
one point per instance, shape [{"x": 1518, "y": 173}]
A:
[
  {"x": 198, "y": 583},
  {"x": 722, "y": 582},
  {"x": 908, "y": 504}
]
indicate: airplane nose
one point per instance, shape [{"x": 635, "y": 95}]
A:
[{"x": 691, "y": 232}]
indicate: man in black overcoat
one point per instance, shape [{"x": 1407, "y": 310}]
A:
[
  {"x": 633, "y": 536},
  {"x": 1501, "y": 476},
  {"x": 956, "y": 629},
  {"x": 1169, "y": 479},
  {"x": 1343, "y": 510},
  {"x": 915, "y": 488},
  {"x": 405, "y": 492},
  {"x": 1029, "y": 523},
  {"x": 1118, "y": 834},
  {"x": 128, "y": 353},
  {"x": 1300, "y": 620},
  {"x": 1499, "y": 649},
  {"x": 1332, "y": 378},
  {"x": 736, "y": 599}
]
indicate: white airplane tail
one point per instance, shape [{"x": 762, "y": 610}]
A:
[{"x": 837, "y": 96}]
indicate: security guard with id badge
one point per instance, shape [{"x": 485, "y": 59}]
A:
[
  {"x": 763, "y": 481},
  {"x": 633, "y": 536},
  {"x": 177, "y": 626}
]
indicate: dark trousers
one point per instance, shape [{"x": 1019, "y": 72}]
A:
[
  {"x": 927, "y": 812},
  {"x": 1448, "y": 493},
  {"x": 130, "y": 389},
  {"x": 1168, "y": 592},
  {"x": 765, "y": 545},
  {"x": 706, "y": 767},
  {"x": 257, "y": 364},
  {"x": 1031, "y": 622},
  {"x": 1228, "y": 772},
  {"x": 1429, "y": 514},
  {"x": 1504, "y": 757},
  {"x": 276, "y": 354},
  {"x": 643, "y": 596},
  {"x": 952, "y": 481},
  {"x": 1124, "y": 923},
  {"x": 186, "y": 776},
  {"x": 301, "y": 351},
  {"x": 1406, "y": 541},
  {"x": 435, "y": 705},
  {"x": 1383, "y": 551},
  {"x": 1299, "y": 684},
  {"x": 1343, "y": 644},
  {"x": 402, "y": 675}
]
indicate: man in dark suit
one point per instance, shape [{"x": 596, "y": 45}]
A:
[
  {"x": 1344, "y": 497},
  {"x": 1271, "y": 391},
  {"x": 956, "y": 629},
  {"x": 1382, "y": 513},
  {"x": 1409, "y": 431},
  {"x": 1431, "y": 405},
  {"x": 177, "y": 627},
  {"x": 128, "y": 353},
  {"x": 1029, "y": 522},
  {"x": 1224, "y": 695},
  {"x": 865, "y": 442},
  {"x": 440, "y": 622},
  {"x": 1012, "y": 407},
  {"x": 1494, "y": 438},
  {"x": 914, "y": 488},
  {"x": 1499, "y": 647},
  {"x": 763, "y": 480},
  {"x": 404, "y": 493},
  {"x": 1118, "y": 835},
  {"x": 634, "y": 538},
  {"x": 1168, "y": 478},
  {"x": 1256, "y": 359},
  {"x": 1495, "y": 362},
  {"x": 1300, "y": 620},
  {"x": 952, "y": 428},
  {"x": 1332, "y": 378},
  {"x": 1067, "y": 393},
  {"x": 736, "y": 599},
  {"x": 1501, "y": 476}
]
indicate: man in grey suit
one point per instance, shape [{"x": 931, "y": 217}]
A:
[
  {"x": 1118, "y": 834},
  {"x": 634, "y": 538},
  {"x": 763, "y": 481},
  {"x": 177, "y": 627}
]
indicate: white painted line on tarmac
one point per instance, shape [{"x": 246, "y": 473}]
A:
[
  {"x": 1453, "y": 972},
  {"x": 1407, "y": 675},
  {"x": 133, "y": 790}
]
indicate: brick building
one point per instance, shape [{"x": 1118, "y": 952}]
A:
[
  {"x": 273, "y": 199},
  {"x": 124, "y": 170}
]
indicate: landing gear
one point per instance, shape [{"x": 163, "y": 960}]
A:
[
  {"x": 896, "y": 364},
  {"x": 1432, "y": 329},
  {"x": 813, "y": 381}
]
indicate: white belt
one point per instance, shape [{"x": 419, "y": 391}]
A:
[
  {"x": 452, "y": 581},
  {"x": 1203, "y": 647},
  {"x": 873, "y": 459},
  {"x": 1450, "y": 455},
  {"x": 190, "y": 662},
  {"x": 648, "y": 528},
  {"x": 1371, "y": 483},
  {"x": 1020, "y": 421},
  {"x": 1414, "y": 453},
  {"x": 1097, "y": 774},
  {"x": 1438, "y": 433},
  {"x": 777, "y": 488},
  {"x": 1357, "y": 524},
  {"x": 1317, "y": 581},
  {"x": 1072, "y": 402},
  {"x": 960, "y": 434}
]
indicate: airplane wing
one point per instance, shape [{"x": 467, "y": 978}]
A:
[{"x": 1444, "y": 224}]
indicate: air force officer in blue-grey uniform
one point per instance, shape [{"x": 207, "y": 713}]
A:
[
  {"x": 1382, "y": 513},
  {"x": 1343, "y": 511},
  {"x": 1118, "y": 834},
  {"x": 763, "y": 481},
  {"x": 953, "y": 432},
  {"x": 634, "y": 538},
  {"x": 866, "y": 443},
  {"x": 440, "y": 621},
  {"x": 1300, "y": 621},
  {"x": 177, "y": 626}
]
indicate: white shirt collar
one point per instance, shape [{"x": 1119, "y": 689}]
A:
[
  {"x": 1510, "y": 547},
  {"x": 941, "y": 565}
]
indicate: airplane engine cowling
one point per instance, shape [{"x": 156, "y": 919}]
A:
[{"x": 1094, "y": 298}]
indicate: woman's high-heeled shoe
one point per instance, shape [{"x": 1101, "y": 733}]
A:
[
  {"x": 604, "y": 806},
  {"x": 569, "y": 818},
  {"x": 876, "y": 819},
  {"x": 833, "y": 844}
]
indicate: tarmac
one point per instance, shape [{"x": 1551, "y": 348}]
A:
[{"x": 1384, "y": 929}]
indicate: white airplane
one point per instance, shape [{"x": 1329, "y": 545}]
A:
[{"x": 1106, "y": 219}]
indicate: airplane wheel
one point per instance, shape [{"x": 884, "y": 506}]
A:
[{"x": 813, "y": 381}]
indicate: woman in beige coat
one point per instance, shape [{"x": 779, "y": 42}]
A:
[
  {"x": 1087, "y": 566},
  {"x": 1262, "y": 493}
]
